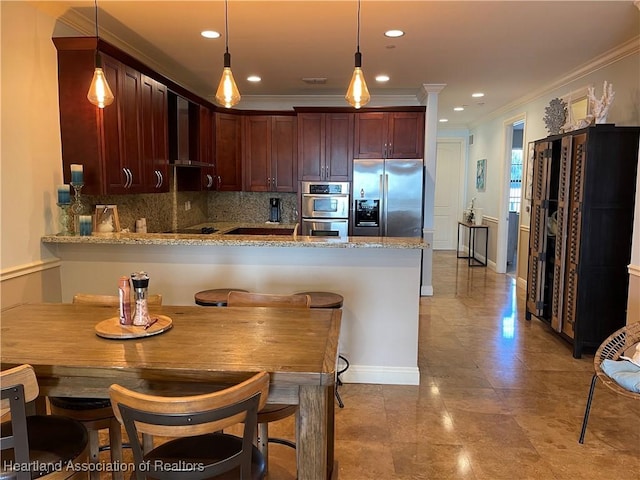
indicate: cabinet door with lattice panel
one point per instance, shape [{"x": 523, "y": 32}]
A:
[
  {"x": 561, "y": 215},
  {"x": 574, "y": 234},
  {"x": 538, "y": 229}
]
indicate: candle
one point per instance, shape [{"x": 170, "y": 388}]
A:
[
  {"x": 76, "y": 173},
  {"x": 64, "y": 195},
  {"x": 86, "y": 225}
]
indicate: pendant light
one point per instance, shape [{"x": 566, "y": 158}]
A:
[
  {"x": 99, "y": 92},
  {"x": 358, "y": 93},
  {"x": 227, "y": 94}
]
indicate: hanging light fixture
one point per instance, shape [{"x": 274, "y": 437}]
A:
[
  {"x": 358, "y": 93},
  {"x": 227, "y": 94},
  {"x": 99, "y": 92}
]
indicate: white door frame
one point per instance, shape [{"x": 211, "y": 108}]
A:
[{"x": 503, "y": 208}]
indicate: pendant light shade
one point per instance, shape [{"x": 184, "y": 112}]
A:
[
  {"x": 358, "y": 93},
  {"x": 227, "y": 94},
  {"x": 99, "y": 92}
]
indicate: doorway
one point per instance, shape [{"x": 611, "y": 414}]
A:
[
  {"x": 449, "y": 187},
  {"x": 514, "y": 193}
]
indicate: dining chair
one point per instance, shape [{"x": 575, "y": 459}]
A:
[
  {"x": 197, "y": 448},
  {"x": 96, "y": 413},
  {"x": 273, "y": 412},
  {"x": 42, "y": 446},
  {"x": 612, "y": 348}
]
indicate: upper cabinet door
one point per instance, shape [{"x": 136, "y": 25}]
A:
[
  {"x": 153, "y": 135},
  {"x": 122, "y": 120},
  {"x": 405, "y": 135},
  {"x": 257, "y": 153},
  {"x": 311, "y": 131},
  {"x": 228, "y": 152},
  {"x": 338, "y": 150},
  {"x": 389, "y": 135},
  {"x": 371, "y": 135},
  {"x": 284, "y": 151},
  {"x": 325, "y": 146},
  {"x": 270, "y": 153}
]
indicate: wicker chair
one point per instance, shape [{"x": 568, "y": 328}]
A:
[{"x": 612, "y": 348}]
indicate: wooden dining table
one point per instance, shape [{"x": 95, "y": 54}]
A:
[{"x": 206, "y": 348}]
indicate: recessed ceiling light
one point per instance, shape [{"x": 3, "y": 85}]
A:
[
  {"x": 253, "y": 78},
  {"x": 458, "y": 109},
  {"x": 210, "y": 34},
  {"x": 393, "y": 33},
  {"x": 382, "y": 78},
  {"x": 443, "y": 120},
  {"x": 477, "y": 95}
]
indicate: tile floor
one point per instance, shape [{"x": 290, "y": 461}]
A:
[{"x": 499, "y": 398}]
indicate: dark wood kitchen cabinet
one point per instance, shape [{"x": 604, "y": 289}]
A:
[
  {"x": 119, "y": 149},
  {"x": 206, "y": 142},
  {"x": 228, "y": 152},
  {"x": 389, "y": 134},
  {"x": 270, "y": 153},
  {"x": 325, "y": 146},
  {"x": 580, "y": 234},
  {"x": 154, "y": 135}
]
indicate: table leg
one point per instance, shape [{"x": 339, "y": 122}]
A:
[
  {"x": 472, "y": 246},
  {"x": 313, "y": 439}
]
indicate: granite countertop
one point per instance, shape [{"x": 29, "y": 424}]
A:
[{"x": 221, "y": 238}]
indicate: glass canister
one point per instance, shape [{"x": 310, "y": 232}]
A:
[{"x": 140, "y": 282}]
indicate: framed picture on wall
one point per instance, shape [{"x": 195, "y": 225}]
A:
[
  {"x": 528, "y": 189},
  {"x": 481, "y": 175}
]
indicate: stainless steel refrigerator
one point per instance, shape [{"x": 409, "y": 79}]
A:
[{"x": 387, "y": 197}]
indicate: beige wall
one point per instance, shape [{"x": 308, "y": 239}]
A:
[
  {"x": 30, "y": 161},
  {"x": 42, "y": 285}
]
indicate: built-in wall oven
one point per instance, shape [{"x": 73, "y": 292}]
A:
[{"x": 325, "y": 209}]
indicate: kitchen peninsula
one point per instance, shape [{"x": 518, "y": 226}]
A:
[{"x": 379, "y": 278}]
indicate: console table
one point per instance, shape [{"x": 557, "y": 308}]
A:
[{"x": 473, "y": 230}]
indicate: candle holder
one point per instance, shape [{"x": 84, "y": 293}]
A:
[
  {"x": 77, "y": 207},
  {"x": 64, "y": 219}
]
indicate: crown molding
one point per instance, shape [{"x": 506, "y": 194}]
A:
[
  {"x": 628, "y": 48},
  {"x": 167, "y": 66},
  {"x": 314, "y": 100}
]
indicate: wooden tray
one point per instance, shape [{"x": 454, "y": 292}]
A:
[{"x": 111, "y": 328}]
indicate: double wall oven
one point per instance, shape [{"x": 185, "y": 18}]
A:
[{"x": 325, "y": 209}]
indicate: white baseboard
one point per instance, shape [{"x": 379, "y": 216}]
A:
[
  {"x": 381, "y": 375},
  {"x": 426, "y": 290}
]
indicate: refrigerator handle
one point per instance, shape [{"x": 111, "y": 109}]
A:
[{"x": 384, "y": 207}]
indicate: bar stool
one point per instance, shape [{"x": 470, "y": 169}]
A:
[
  {"x": 330, "y": 300},
  {"x": 325, "y": 299},
  {"x": 216, "y": 297}
]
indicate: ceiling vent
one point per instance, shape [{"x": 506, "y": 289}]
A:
[{"x": 315, "y": 80}]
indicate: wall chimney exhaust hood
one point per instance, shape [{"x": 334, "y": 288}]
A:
[{"x": 183, "y": 133}]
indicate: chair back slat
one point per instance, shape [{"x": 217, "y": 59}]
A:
[
  {"x": 110, "y": 300},
  {"x": 250, "y": 299}
]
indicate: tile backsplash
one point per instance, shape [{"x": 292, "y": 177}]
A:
[{"x": 167, "y": 211}]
